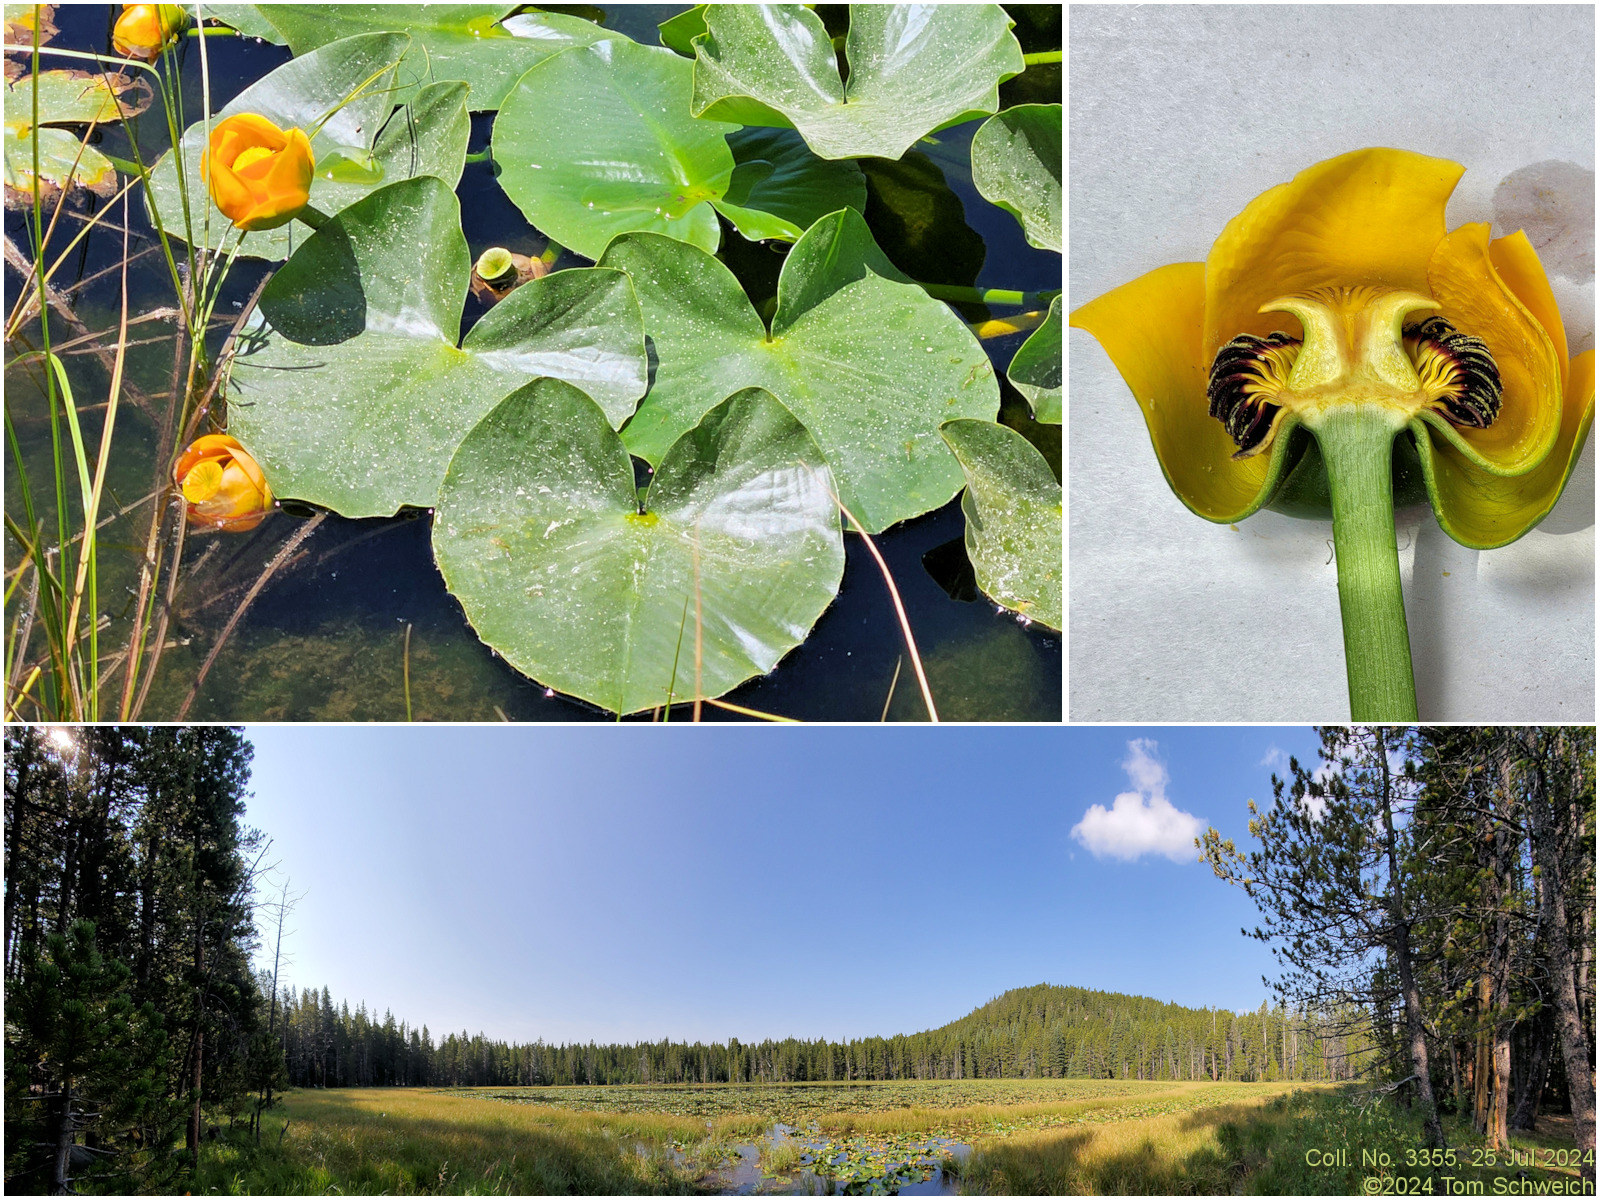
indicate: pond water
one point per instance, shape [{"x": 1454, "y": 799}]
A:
[
  {"x": 906, "y": 1166},
  {"x": 358, "y": 611}
]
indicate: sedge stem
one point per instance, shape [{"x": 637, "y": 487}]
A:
[
  {"x": 1042, "y": 57},
  {"x": 1357, "y": 444},
  {"x": 484, "y": 155}
]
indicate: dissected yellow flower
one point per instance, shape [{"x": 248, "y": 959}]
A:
[
  {"x": 1342, "y": 289},
  {"x": 259, "y": 175},
  {"x": 143, "y": 29},
  {"x": 224, "y": 486}
]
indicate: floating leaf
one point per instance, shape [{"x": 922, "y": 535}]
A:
[
  {"x": 1035, "y": 369},
  {"x": 363, "y": 146},
  {"x": 721, "y": 570},
  {"x": 74, "y": 98},
  {"x": 1016, "y": 164},
  {"x": 780, "y": 189},
  {"x": 475, "y": 44},
  {"x": 21, "y": 19},
  {"x": 1013, "y": 511},
  {"x": 678, "y": 33},
  {"x": 914, "y": 68},
  {"x": 357, "y": 396},
  {"x": 65, "y": 162},
  {"x": 598, "y": 141},
  {"x": 246, "y": 19},
  {"x": 870, "y": 366}
]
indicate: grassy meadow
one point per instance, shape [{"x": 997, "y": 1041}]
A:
[{"x": 1035, "y": 1137}]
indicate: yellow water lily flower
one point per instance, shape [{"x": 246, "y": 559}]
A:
[
  {"x": 143, "y": 29},
  {"x": 225, "y": 488},
  {"x": 259, "y": 175},
  {"x": 1337, "y": 338}
]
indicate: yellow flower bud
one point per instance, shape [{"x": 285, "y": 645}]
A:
[
  {"x": 259, "y": 175},
  {"x": 224, "y": 486}
]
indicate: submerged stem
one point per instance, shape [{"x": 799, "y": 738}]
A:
[{"x": 1357, "y": 445}]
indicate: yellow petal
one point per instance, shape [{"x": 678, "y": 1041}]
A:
[
  {"x": 1368, "y": 217},
  {"x": 1519, "y": 268},
  {"x": 1151, "y": 330},
  {"x": 1482, "y": 510},
  {"x": 1473, "y": 297},
  {"x": 203, "y": 482}
]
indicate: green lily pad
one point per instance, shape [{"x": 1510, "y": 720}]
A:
[
  {"x": 65, "y": 163},
  {"x": 718, "y": 572},
  {"x": 780, "y": 189},
  {"x": 1035, "y": 368},
  {"x": 871, "y": 366},
  {"x": 914, "y": 68},
  {"x": 1013, "y": 511},
  {"x": 74, "y": 98},
  {"x": 1016, "y": 164},
  {"x": 364, "y": 146},
  {"x": 476, "y": 44},
  {"x": 598, "y": 141},
  {"x": 356, "y": 395},
  {"x": 678, "y": 33}
]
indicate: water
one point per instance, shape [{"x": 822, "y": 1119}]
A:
[
  {"x": 326, "y": 638},
  {"x": 838, "y": 1166}
]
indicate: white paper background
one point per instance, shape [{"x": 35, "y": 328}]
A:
[{"x": 1180, "y": 115}]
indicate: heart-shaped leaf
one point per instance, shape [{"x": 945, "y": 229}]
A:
[
  {"x": 678, "y": 33},
  {"x": 598, "y": 141},
  {"x": 356, "y": 396},
  {"x": 914, "y": 68},
  {"x": 475, "y": 44},
  {"x": 65, "y": 162},
  {"x": 1013, "y": 510},
  {"x": 74, "y": 98},
  {"x": 1035, "y": 368},
  {"x": 721, "y": 571},
  {"x": 869, "y": 365},
  {"x": 1016, "y": 164},
  {"x": 365, "y": 145}
]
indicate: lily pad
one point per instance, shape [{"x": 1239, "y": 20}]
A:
[
  {"x": 913, "y": 68},
  {"x": 64, "y": 163},
  {"x": 355, "y": 395},
  {"x": 1035, "y": 368},
  {"x": 476, "y": 44},
  {"x": 1016, "y": 164},
  {"x": 1013, "y": 511},
  {"x": 75, "y": 98},
  {"x": 598, "y": 141},
  {"x": 713, "y": 576},
  {"x": 871, "y": 366},
  {"x": 678, "y": 33},
  {"x": 365, "y": 145}
]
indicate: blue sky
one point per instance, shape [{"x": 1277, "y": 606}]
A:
[{"x": 645, "y": 882}]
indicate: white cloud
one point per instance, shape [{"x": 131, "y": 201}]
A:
[
  {"x": 1276, "y": 758},
  {"x": 1142, "y": 821},
  {"x": 1316, "y": 806}
]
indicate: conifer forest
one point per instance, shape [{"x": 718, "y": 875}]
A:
[{"x": 1427, "y": 895}]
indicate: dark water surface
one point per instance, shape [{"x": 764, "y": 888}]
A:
[{"x": 325, "y": 639}]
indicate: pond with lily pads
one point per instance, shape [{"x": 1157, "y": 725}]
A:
[{"x": 666, "y": 362}]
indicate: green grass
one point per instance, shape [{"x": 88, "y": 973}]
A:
[
  {"x": 1029, "y": 1137},
  {"x": 1265, "y": 1144}
]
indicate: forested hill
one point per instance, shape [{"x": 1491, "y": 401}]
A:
[{"x": 1036, "y": 1032}]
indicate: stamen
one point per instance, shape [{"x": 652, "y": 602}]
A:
[
  {"x": 1247, "y": 375},
  {"x": 1457, "y": 372}
]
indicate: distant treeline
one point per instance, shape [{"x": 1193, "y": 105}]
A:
[{"x": 1041, "y": 1032}]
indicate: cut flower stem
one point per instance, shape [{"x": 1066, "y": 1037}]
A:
[{"x": 1357, "y": 444}]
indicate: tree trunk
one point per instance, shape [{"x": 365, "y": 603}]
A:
[
  {"x": 1527, "y": 1107},
  {"x": 192, "y": 1142},
  {"x": 1416, "y": 1042},
  {"x": 1553, "y": 918}
]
